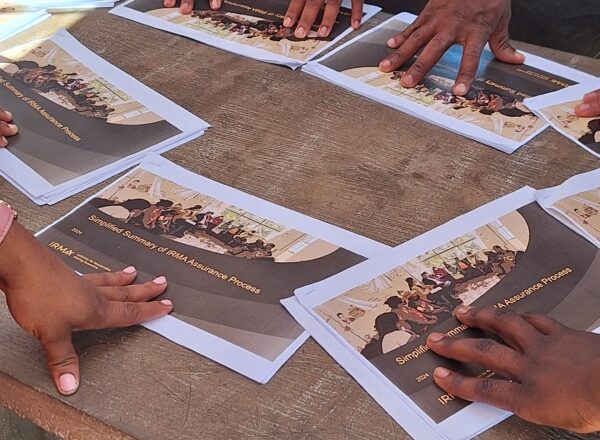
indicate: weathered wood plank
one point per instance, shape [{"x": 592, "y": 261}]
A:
[{"x": 305, "y": 144}]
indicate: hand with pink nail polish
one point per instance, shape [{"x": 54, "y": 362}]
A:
[
  {"x": 552, "y": 372},
  {"x": 590, "y": 107},
  {"x": 187, "y": 6},
  {"x": 303, "y": 14},
  {"x": 443, "y": 23},
  {"x": 50, "y": 301},
  {"x": 7, "y": 128}
]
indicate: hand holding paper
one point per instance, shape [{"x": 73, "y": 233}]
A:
[
  {"x": 554, "y": 371},
  {"x": 50, "y": 301},
  {"x": 590, "y": 106},
  {"x": 6, "y": 127},
  {"x": 443, "y": 23}
]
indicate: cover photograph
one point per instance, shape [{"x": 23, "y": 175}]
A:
[
  {"x": 80, "y": 119},
  {"x": 375, "y": 317},
  {"x": 558, "y": 109},
  {"x": 492, "y": 112},
  {"x": 229, "y": 258},
  {"x": 252, "y": 28}
]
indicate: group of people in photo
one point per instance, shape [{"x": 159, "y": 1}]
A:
[
  {"x": 69, "y": 87},
  {"x": 174, "y": 221},
  {"x": 433, "y": 298},
  {"x": 235, "y": 24},
  {"x": 485, "y": 102}
]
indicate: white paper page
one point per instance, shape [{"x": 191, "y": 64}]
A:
[
  {"x": 497, "y": 131},
  {"x": 246, "y": 361},
  {"x": 576, "y": 203},
  {"x": 558, "y": 110},
  {"x": 256, "y": 53},
  {"x": 188, "y": 125},
  {"x": 12, "y": 24}
]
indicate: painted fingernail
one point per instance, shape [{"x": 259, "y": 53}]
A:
[
  {"x": 583, "y": 108},
  {"x": 287, "y": 22},
  {"x": 356, "y": 24},
  {"x": 441, "y": 373},
  {"x": 407, "y": 80},
  {"x": 3, "y": 141},
  {"x": 435, "y": 337},
  {"x": 159, "y": 280},
  {"x": 67, "y": 383},
  {"x": 463, "y": 310},
  {"x": 166, "y": 302},
  {"x": 460, "y": 89},
  {"x": 391, "y": 42},
  {"x": 300, "y": 32},
  {"x": 129, "y": 270},
  {"x": 323, "y": 31}
]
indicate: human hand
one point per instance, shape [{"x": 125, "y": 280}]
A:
[
  {"x": 7, "y": 128},
  {"x": 553, "y": 371},
  {"x": 187, "y": 6},
  {"x": 590, "y": 107},
  {"x": 50, "y": 301},
  {"x": 305, "y": 12},
  {"x": 470, "y": 23}
]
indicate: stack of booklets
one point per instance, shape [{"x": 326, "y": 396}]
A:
[
  {"x": 53, "y": 5},
  {"x": 531, "y": 251},
  {"x": 11, "y": 23},
  {"x": 229, "y": 259},
  {"x": 252, "y": 28},
  {"x": 80, "y": 119},
  {"x": 492, "y": 112},
  {"x": 558, "y": 109}
]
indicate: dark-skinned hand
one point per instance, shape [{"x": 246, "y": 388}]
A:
[
  {"x": 7, "y": 128},
  {"x": 443, "y": 23},
  {"x": 187, "y": 6},
  {"x": 305, "y": 13},
  {"x": 552, "y": 371}
]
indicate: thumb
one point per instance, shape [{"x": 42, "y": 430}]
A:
[
  {"x": 501, "y": 47},
  {"x": 63, "y": 364}
]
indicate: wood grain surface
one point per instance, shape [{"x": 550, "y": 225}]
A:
[{"x": 302, "y": 143}]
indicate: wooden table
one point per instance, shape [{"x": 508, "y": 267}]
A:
[{"x": 304, "y": 144}]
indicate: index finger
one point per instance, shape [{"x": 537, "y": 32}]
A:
[
  {"x": 432, "y": 53},
  {"x": 332, "y": 9}
]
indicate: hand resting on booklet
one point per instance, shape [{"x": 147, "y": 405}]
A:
[
  {"x": 50, "y": 301},
  {"x": 552, "y": 371},
  {"x": 7, "y": 128}
]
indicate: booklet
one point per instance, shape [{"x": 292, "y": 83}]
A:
[
  {"x": 491, "y": 113},
  {"x": 81, "y": 120},
  {"x": 558, "y": 109},
  {"x": 252, "y": 28},
  {"x": 375, "y": 317},
  {"x": 229, "y": 259},
  {"x": 12, "y": 23}
]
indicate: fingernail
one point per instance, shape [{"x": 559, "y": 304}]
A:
[
  {"x": 287, "y": 22},
  {"x": 356, "y": 24},
  {"x": 436, "y": 337},
  {"x": 460, "y": 89},
  {"x": 463, "y": 310},
  {"x": 3, "y": 141},
  {"x": 385, "y": 64},
  {"x": 214, "y": 4},
  {"x": 391, "y": 42},
  {"x": 166, "y": 302},
  {"x": 8, "y": 115},
  {"x": 129, "y": 270},
  {"x": 407, "y": 80},
  {"x": 300, "y": 32},
  {"x": 583, "y": 108},
  {"x": 441, "y": 373},
  {"x": 67, "y": 383},
  {"x": 520, "y": 56},
  {"x": 323, "y": 31},
  {"x": 159, "y": 280}
]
